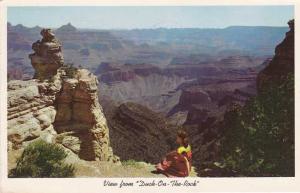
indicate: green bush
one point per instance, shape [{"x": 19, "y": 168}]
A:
[
  {"x": 259, "y": 137},
  {"x": 41, "y": 159}
]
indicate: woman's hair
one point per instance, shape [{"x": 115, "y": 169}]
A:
[{"x": 183, "y": 135}]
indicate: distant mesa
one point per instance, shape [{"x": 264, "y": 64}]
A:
[
  {"x": 38, "y": 28},
  {"x": 66, "y": 28},
  {"x": 20, "y": 29}
]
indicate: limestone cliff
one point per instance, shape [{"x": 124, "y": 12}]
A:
[{"x": 60, "y": 106}]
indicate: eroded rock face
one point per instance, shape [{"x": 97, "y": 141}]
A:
[
  {"x": 64, "y": 111},
  {"x": 79, "y": 121},
  {"x": 61, "y": 107},
  {"x": 47, "y": 56},
  {"x": 31, "y": 112},
  {"x": 282, "y": 63},
  {"x": 139, "y": 133},
  {"x": 194, "y": 95}
]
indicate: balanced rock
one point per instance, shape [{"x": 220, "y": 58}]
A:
[
  {"x": 61, "y": 107},
  {"x": 47, "y": 56}
]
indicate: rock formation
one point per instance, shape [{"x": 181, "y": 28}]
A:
[
  {"x": 47, "y": 56},
  {"x": 137, "y": 132},
  {"x": 67, "y": 28},
  {"x": 63, "y": 109},
  {"x": 30, "y": 112},
  {"x": 282, "y": 63},
  {"x": 79, "y": 119},
  {"x": 194, "y": 95}
]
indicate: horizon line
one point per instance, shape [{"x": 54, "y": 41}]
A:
[{"x": 79, "y": 28}]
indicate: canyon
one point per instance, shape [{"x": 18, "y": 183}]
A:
[
  {"x": 122, "y": 94},
  {"x": 159, "y": 47}
]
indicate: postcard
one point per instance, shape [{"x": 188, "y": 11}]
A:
[{"x": 108, "y": 96}]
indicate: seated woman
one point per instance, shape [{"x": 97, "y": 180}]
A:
[{"x": 177, "y": 163}]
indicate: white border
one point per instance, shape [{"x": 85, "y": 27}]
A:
[{"x": 95, "y": 185}]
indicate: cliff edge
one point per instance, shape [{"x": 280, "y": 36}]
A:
[{"x": 282, "y": 63}]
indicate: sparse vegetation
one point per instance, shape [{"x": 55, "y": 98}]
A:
[
  {"x": 259, "y": 140},
  {"x": 132, "y": 163},
  {"x": 41, "y": 159}
]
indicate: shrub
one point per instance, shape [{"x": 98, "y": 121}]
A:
[
  {"x": 259, "y": 138},
  {"x": 41, "y": 159}
]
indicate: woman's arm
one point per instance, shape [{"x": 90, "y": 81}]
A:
[{"x": 187, "y": 163}]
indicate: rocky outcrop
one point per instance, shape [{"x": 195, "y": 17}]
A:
[
  {"x": 47, "y": 56},
  {"x": 143, "y": 84},
  {"x": 79, "y": 120},
  {"x": 63, "y": 109},
  {"x": 194, "y": 95},
  {"x": 30, "y": 112},
  {"x": 282, "y": 63},
  {"x": 137, "y": 132},
  {"x": 117, "y": 76}
]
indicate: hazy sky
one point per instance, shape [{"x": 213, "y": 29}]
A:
[{"x": 151, "y": 16}]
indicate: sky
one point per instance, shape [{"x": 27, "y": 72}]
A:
[{"x": 141, "y": 17}]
